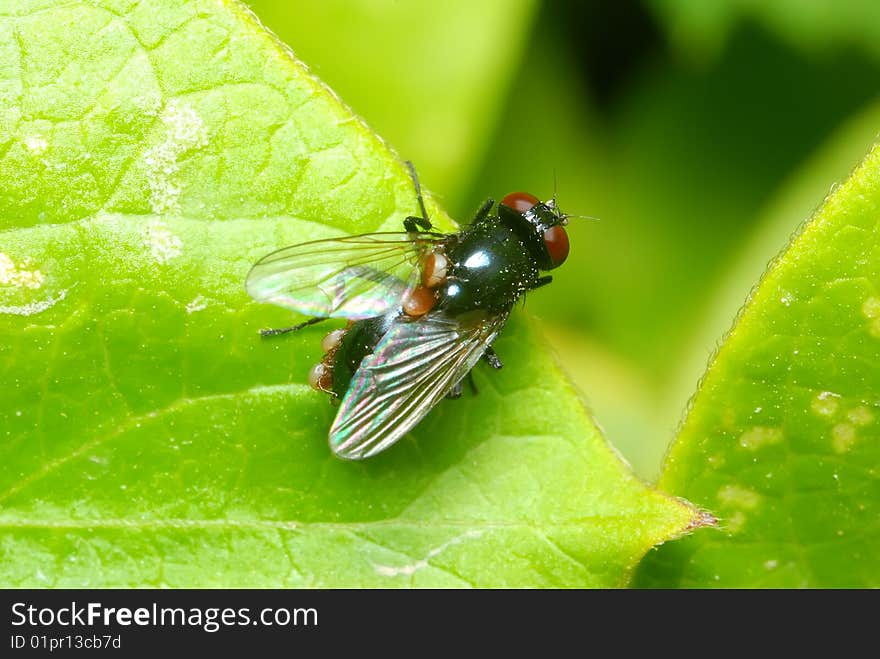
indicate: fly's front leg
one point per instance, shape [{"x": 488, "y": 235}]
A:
[
  {"x": 542, "y": 281},
  {"x": 483, "y": 210},
  {"x": 294, "y": 328},
  {"x": 411, "y": 222}
]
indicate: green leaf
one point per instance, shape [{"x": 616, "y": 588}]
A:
[
  {"x": 467, "y": 51},
  {"x": 151, "y": 152},
  {"x": 781, "y": 441}
]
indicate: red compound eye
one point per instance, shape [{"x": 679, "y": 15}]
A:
[
  {"x": 520, "y": 201},
  {"x": 556, "y": 241}
]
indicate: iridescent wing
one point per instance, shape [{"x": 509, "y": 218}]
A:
[
  {"x": 412, "y": 368},
  {"x": 352, "y": 277}
]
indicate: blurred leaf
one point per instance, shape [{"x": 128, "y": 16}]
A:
[
  {"x": 430, "y": 77},
  {"x": 782, "y": 437},
  {"x": 151, "y": 152},
  {"x": 795, "y": 200},
  {"x": 630, "y": 416},
  {"x": 692, "y": 170},
  {"x": 701, "y": 28}
]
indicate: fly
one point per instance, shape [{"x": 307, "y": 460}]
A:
[{"x": 422, "y": 308}]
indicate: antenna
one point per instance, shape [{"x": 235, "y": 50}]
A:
[{"x": 582, "y": 217}]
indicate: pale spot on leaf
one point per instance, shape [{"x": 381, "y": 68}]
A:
[
  {"x": 741, "y": 498},
  {"x": 184, "y": 130},
  {"x": 871, "y": 307},
  {"x": 735, "y": 522},
  {"x": 843, "y": 436},
  {"x": 163, "y": 244},
  {"x": 19, "y": 275},
  {"x": 860, "y": 416},
  {"x": 760, "y": 436},
  {"x": 825, "y": 403},
  {"x": 36, "y": 144}
]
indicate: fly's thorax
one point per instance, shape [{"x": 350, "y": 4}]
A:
[{"x": 489, "y": 267}]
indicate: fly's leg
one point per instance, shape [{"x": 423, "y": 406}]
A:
[
  {"x": 494, "y": 362},
  {"x": 542, "y": 281},
  {"x": 483, "y": 211},
  {"x": 455, "y": 392},
  {"x": 294, "y": 328},
  {"x": 411, "y": 222},
  {"x": 492, "y": 358}
]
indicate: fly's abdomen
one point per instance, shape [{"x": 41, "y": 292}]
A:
[{"x": 344, "y": 349}]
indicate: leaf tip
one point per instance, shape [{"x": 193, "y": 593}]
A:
[{"x": 701, "y": 519}]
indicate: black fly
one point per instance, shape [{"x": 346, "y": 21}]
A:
[{"x": 423, "y": 308}]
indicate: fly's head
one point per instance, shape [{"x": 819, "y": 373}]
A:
[{"x": 540, "y": 225}]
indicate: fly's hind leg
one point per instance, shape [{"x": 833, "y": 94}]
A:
[
  {"x": 293, "y": 328},
  {"x": 493, "y": 361},
  {"x": 455, "y": 392}
]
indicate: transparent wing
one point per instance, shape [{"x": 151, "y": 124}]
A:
[
  {"x": 351, "y": 277},
  {"x": 413, "y": 367}
]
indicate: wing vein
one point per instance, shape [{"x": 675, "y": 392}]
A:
[{"x": 352, "y": 277}]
